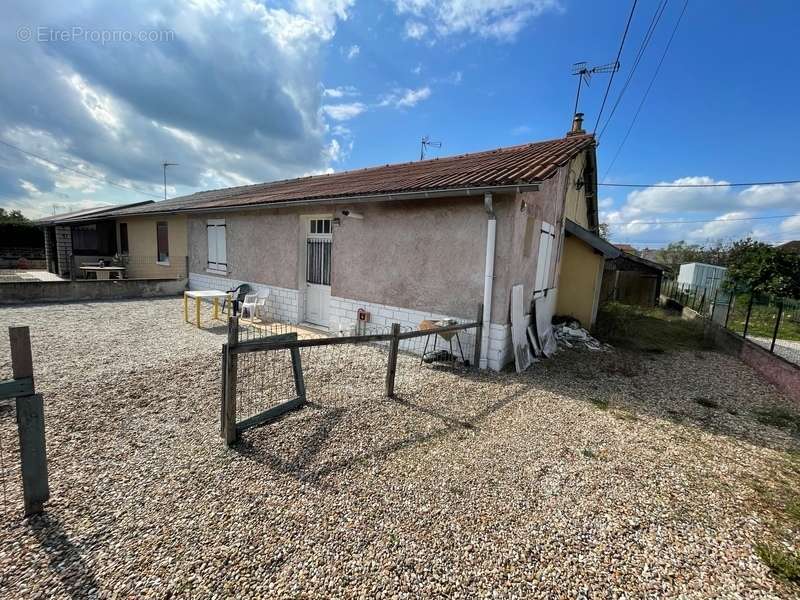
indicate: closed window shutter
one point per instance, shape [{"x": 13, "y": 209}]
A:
[
  {"x": 217, "y": 258},
  {"x": 544, "y": 257},
  {"x": 212, "y": 245},
  {"x": 222, "y": 257}
]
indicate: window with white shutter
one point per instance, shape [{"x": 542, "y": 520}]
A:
[
  {"x": 217, "y": 254},
  {"x": 544, "y": 258}
]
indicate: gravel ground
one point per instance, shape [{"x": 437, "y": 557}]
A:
[
  {"x": 593, "y": 476},
  {"x": 788, "y": 349}
]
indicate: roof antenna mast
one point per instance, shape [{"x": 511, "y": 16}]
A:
[
  {"x": 584, "y": 73},
  {"x": 425, "y": 144},
  {"x": 165, "y": 165}
]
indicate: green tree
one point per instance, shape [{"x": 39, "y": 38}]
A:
[
  {"x": 763, "y": 269},
  {"x": 13, "y": 216},
  {"x": 678, "y": 253}
]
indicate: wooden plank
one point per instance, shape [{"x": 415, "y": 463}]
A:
[
  {"x": 476, "y": 357},
  {"x": 277, "y": 338},
  {"x": 223, "y": 377},
  {"x": 270, "y": 414},
  {"x": 21, "y": 357},
  {"x": 13, "y": 388},
  {"x": 457, "y": 327},
  {"x": 522, "y": 353},
  {"x": 230, "y": 382},
  {"x": 297, "y": 372},
  {"x": 33, "y": 455},
  {"x": 391, "y": 367}
]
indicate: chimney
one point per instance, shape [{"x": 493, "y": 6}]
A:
[{"x": 577, "y": 125}]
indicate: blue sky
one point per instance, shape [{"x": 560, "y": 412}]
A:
[{"x": 242, "y": 91}]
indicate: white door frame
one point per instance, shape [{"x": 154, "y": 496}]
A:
[{"x": 316, "y": 296}]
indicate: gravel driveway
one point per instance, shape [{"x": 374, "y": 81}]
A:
[{"x": 592, "y": 476}]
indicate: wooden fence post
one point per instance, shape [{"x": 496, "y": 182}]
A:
[
  {"x": 391, "y": 369},
  {"x": 231, "y": 363},
  {"x": 777, "y": 326},
  {"x": 476, "y": 355},
  {"x": 747, "y": 318},
  {"x": 30, "y": 424},
  {"x": 297, "y": 371}
]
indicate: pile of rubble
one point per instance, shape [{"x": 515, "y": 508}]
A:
[{"x": 570, "y": 333}]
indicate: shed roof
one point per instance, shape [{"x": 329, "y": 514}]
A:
[
  {"x": 515, "y": 165},
  {"x": 592, "y": 239},
  {"x": 89, "y": 214}
]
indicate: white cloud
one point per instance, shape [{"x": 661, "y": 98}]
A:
[
  {"x": 791, "y": 226},
  {"x": 340, "y": 92},
  {"x": 352, "y": 52},
  {"x": 416, "y": 30},
  {"x": 406, "y": 98},
  {"x": 344, "y": 112},
  {"x": 727, "y": 225},
  {"x": 500, "y": 19}
]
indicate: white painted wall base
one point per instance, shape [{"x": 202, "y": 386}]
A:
[{"x": 283, "y": 305}]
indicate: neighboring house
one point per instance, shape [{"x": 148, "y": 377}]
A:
[
  {"x": 408, "y": 241},
  {"x": 149, "y": 247},
  {"x": 701, "y": 275},
  {"x": 631, "y": 279},
  {"x": 627, "y": 249}
]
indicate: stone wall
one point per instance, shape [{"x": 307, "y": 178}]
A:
[{"x": 31, "y": 292}]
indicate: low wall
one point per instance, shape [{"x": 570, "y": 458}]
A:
[
  {"x": 772, "y": 367},
  {"x": 26, "y": 292}
]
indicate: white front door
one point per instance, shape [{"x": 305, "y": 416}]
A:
[{"x": 319, "y": 246}]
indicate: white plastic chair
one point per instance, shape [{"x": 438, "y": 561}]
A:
[{"x": 253, "y": 305}]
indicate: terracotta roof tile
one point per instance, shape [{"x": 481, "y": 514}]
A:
[{"x": 527, "y": 163}]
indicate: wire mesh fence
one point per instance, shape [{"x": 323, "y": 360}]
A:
[
  {"x": 10, "y": 475},
  {"x": 771, "y": 322},
  {"x": 279, "y": 368}
]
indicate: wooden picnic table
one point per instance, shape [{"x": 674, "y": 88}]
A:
[
  {"x": 104, "y": 272},
  {"x": 199, "y": 295}
]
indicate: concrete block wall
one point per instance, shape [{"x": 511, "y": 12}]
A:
[
  {"x": 64, "y": 250},
  {"x": 343, "y": 316},
  {"x": 283, "y": 304}
]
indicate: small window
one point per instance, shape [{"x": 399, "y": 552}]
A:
[
  {"x": 217, "y": 255},
  {"x": 320, "y": 226},
  {"x": 123, "y": 238},
  {"x": 162, "y": 240}
]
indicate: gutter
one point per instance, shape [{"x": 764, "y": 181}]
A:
[
  {"x": 386, "y": 197},
  {"x": 491, "y": 231}
]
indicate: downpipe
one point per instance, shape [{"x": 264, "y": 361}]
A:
[{"x": 491, "y": 231}]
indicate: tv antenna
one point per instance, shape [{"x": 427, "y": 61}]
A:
[
  {"x": 585, "y": 72},
  {"x": 425, "y": 144},
  {"x": 165, "y": 165}
]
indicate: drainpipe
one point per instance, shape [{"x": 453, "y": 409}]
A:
[{"x": 489, "y": 271}]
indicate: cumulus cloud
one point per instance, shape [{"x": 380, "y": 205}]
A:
[
  {"x": 340, "y": 92},
  {"x": 352, "y": 52},
  {"x": 499, "y": 19},
  {"x": 416, "y": 30},
  {"x": 729, "y": 210},
  {"x": 232, "y": 96},
  {"x": 406, "y": 98},
  {"x": 344, "y": 112}
]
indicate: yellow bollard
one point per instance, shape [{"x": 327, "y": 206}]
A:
[
  {"x": 185, "y": 308},
  {"x": 197, "y": 310},
  {"x": 216, "y": 308}
]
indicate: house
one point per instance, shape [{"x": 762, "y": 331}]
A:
[
  {"x": 405, "y": 242},
  {"x": 627, "y": 248},
  {"x": 631, "y": 279},
  {"x": 149, "y": 247}
]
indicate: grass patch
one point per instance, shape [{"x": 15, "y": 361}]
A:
[
  {"x": 600, "y": 403},
  {"x": 793, "y": 509},
  {"x": 782, "y": 563},
  {"x": 651, "y": 330},
  {"x": 707, "y": 402},
  {"x": 589, "y": 453}
]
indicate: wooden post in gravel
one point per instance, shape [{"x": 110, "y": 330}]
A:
[
  {"x": 30, "y": 423},
  {"x": 476, "y": 355},
  {"x": 391, "y": 369},
  {"x": 231, "y": 362}
]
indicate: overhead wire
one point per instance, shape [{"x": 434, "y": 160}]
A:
[
  {"x": 649, "y": 87},
  {"x": 79, "y": 172},
  {"x": 619, "y": 53}
]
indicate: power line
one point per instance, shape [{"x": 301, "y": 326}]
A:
[
  {"x": 616, "y": 62},
  {"x": 78, "y": 172},
  {"x": 699, "y": 185},
  {"x": 701, "y": 220},
  {"x": 650, "y": 85},
  {"x": 648, "y": 36}
]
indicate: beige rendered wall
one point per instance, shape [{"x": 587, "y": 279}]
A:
[
  {"x": 143, "y": 249},
  {"x": 579, "y": 284},
  {"x": 576, "y": 207},
  {"x": 425, "y": 255}
]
